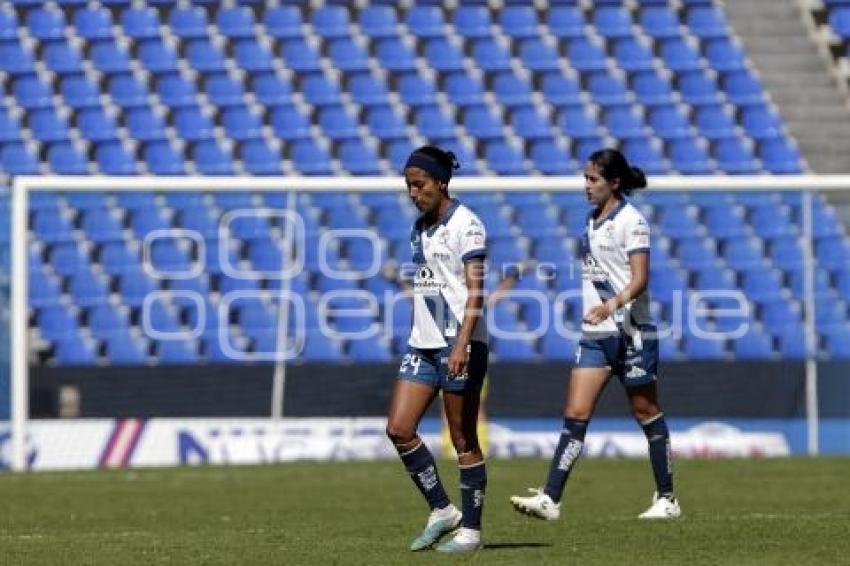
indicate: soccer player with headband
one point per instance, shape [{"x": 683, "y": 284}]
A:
[
  {"x": 618, "y": 335},
  {"x": 447, "y": 350}
]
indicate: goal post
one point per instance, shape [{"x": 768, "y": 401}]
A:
[{"x": 25, "y": 186}]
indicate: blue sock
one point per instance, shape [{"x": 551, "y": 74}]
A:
[
  {"x": 423, "y": 471},
  {"x": 658, "y": 437},
  {"x": 567, "y": 452},
  {"x": 473, "y": 483}
]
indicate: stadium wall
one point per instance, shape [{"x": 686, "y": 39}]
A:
[{"x": 688, "y": 389}]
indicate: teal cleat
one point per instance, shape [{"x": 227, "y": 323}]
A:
[
  {"x": 466, "y": 540},
  {"x": 440, "y": 522}
]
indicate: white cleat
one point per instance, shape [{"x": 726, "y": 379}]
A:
[
  {"x": 538, "y": 505},
  {"x": 440, "y": 523},
  {"x": 662, "y": 508}
]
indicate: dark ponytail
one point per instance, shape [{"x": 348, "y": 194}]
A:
[
  {"x": 436, "y": 162},
  {"x": 613, "y": 165}
]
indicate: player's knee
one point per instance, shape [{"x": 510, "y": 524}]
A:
[
  {"x": 400, "y": 434},
  {"x": 644, "y": 411},
  {"x": 578, "y": 412}
]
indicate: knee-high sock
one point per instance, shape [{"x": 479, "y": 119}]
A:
[
  {"x": 658, "y": 437},
  {"x": 566, "y": 453},
  {"x": 473, "y": 483},
  {"x": 423, "y": 471}
]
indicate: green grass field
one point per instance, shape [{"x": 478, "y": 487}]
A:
[{"x": 794, "y": 511}]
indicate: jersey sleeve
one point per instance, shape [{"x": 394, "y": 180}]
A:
[
  {"x": 473, "y": 240},
  {"x": 637, "y": 235}
]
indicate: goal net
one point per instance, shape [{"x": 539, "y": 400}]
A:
[{"x": 160, "y": 321}]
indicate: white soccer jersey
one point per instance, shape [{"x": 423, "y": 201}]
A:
[
  {"x": 606, "y": 248},
  {"x": 439, "y": 284}
]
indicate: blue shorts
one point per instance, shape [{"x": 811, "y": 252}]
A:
[
  {"x": 632, "y": 357},
  {"x": 430, "y": 367}
]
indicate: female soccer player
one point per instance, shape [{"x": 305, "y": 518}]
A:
[
  {"x": 618, "y": 337},
  {"x": 447, "y": 349}
]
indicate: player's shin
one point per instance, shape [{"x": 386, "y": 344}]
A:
[
  {"x": 419, "y": 462},
  {"x": 473, "y": 483},
  {"x": 658, "y": 437},
  {"x": 567, "y": 452}
]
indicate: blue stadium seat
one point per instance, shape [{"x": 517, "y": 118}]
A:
[
  {"x": 330, "y": 21},
  {"x": 236, "y": 22},
  {"x": 61, "y": 58},
  {"x": 108, "y": 57},
  {"x": 75, "y": 350},
  {"x": 725, "y": 222},
  {"x": 46, "y": 24},
  {"x": 612, "y": 22},
  {"x": 646, "y": 155},
  {"x": 586, "y": 55},
  {"x": 79, "y": 92},
  {"x": 157, "y": 57},
  {"x": 536, "y": 55},
  {"x": 385, "y": 123},
  {"x": 318, "y": 347},
  {"x": 754, "y": 345},
  {"x": 780, "y": 156},
  {"x": 192, "y": 123},
  {"x": 560, "y": 90},
  {"x": 607, "y": 90},
  {"x": 762, "y": 286},
  {"x": 212, "y": 159},
  {"x": 241, "y": 124},
  {"x": 660, "y": 22},
  {"x": 283, "y": 22},
  {"x": 224, "y": 91},
  {"x": 260, "y": 159},
  {"x": 65, "y": 159},
  {"x": 443, "y": 56},
  {"x": 743, "y": 88},
  {"x": 96, "y": 125},
  {"x": 144, "y": 124},
  {"x": 505, "y": 159},
  {"x": 680, "y": 54},
  {"x": 15, "y": 60},
  {"x": 690, "y": 157},
  {"x": 707, "y": 22},
  {"x": 472, "y": 21},
  {"x": 290, "y": 124},
  {"x": 715, "y": 122},
  {"x": 124, "y": 349},
  {"x": 56, "y": 322},
  {"x": 482, "y": 124},
  {"x": 337, "y": 124},
  {"x": 31, "y": 92},
  {"x": 394, "y": 55},
  {"x": 416, "y": 91},
  {"x": 624, "y": 122},
  {"x": 113, "y": 159},
  {"x": 651, "y": 89},
  {"x": 578, "y": 122},
  {"x": 565, "y": 21},
  {"x": 271, "y": 90},
  {"x": 735, "y": 155},
  {"x": 698, "y": 87},
  {"x": 634, "y": 55},
  {"x": 93, "y": 23},
  {"x": 162, "y": 159},
  {"x": 464, "y": 90},
  {"x": 48, "y": 126},
  {"x": 140, "y": 23},
  {"x": 87, "y": 289},
  {"x": 321, "y": 91},
  {"x": 550, "y": 159},
  {"x": 310, "y": 158},
  {"x": 44, "y": 289},
  {"x": 347, "y": 56},
  {"x": 761, "y": 122},
  {"x": 378, "y": 21},
  {"x": 432, "y": 123},
  {"x": 358, "y": 158},
  {"x": 519, "y": 21},
  {"x": 725, "y": 55},
  {"x": 16, "y": 159},
  {"x": 204, "y": 56},
  {"x": 367, "y": 90},
  {"x": 188, "y": 22},
  {"x": 744, "y": 253},
  {"x": 125, "y": 91}
]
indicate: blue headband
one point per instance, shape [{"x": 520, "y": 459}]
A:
[{"x": 429, "y": 165}]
